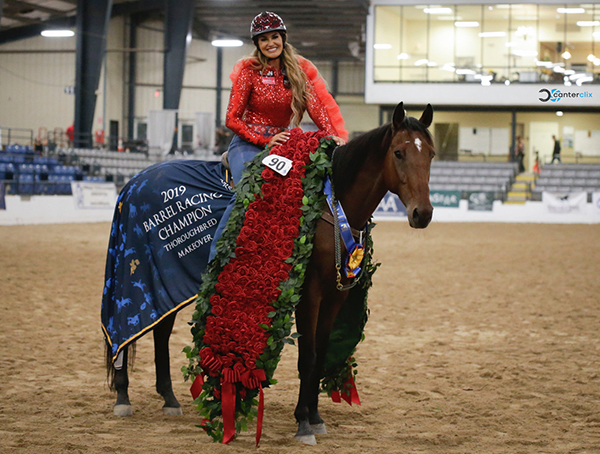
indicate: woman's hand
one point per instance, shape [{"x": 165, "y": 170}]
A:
[
  {"x": 338, "y": 140},
  {"x": 279, "y": 139}
]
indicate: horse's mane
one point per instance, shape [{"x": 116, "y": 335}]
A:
[{"x": 349, "y": 159}]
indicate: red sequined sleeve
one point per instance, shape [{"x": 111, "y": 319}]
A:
[
  {"x": 241, "y": 78},
  {"x": 321, "y": 106}
]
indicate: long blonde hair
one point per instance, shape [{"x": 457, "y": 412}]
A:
[{"x": 297, "y": 78}]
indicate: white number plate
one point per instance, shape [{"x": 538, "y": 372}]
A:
[{"x": 279, "y": 164}]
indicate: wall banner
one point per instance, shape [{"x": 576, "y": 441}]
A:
[
  {"x": 481, "y": 201},
  {"x": 596, "y": 202},
  {"x": 390, "y": 206},
  {"x": 94, "y": 195},
  {"x": 565, "y": 203},
  {"x": 445, "y": 199}
]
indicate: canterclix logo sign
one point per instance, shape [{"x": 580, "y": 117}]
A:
[{"x": 556, "y": 95}]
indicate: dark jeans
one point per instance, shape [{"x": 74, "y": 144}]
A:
[{"x": 240, "y": 152}]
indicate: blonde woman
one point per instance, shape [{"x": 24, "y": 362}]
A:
[{"x": 271, "y": 90}]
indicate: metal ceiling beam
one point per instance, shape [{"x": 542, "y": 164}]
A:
[
  {"x": 178, "y": 24},
  {"x": 37, "y": 7},
  {"x": 29, "y": 31},
  {"x": 92, "y": 23},
  {"x": 140, "y": 6},
  {"x": 23, "y": 19}
]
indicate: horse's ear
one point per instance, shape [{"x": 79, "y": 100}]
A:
[
  {"x": 427, "y": 116},
  {"x": 398, "y": 117}
]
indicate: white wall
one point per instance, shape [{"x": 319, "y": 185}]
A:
[{"x": 61, "y": 210}]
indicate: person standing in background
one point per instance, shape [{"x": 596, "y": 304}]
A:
[
  {"x": 556, "y": 151},
  {"x": 520, "y": 154},
  {"x": 70, "y": 133}
]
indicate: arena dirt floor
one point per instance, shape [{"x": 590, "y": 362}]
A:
[{"x": 483, "y": 338}]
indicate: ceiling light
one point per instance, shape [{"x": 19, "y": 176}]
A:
[
  {"x": 466, "y": 24},
  {"x": 423, "y": 61},
  {"x": 448, "y": 67},
  {"x": 438, "y": 10},
  {"x": 58, "y": 33},
  {"x": 597, "y": 61},
  {"x": 507, "y": 82},
  {"x": 464, "y": 71},
  {"x": 227, "y": 43},
  {"x": 492, "y": 34},
  {"x": 588, "y": 23},
  {"x": 570, "y": 10},
  {"x": 583, "y": 80},
  {"x": 569, "y": 72},
  {"x": 596, "y": 35},
  {"x": 403, "y": 56},
  {"x": 559, "y": 113},
  {"x": 432, "y": 63},
  {"x": 559, "y": 69},
  {"x": 591, "y": 57},
  {"x": 382, "y": 46},
  {"x": 566, "y": 55},
  {"x": 576, "y": 76}
]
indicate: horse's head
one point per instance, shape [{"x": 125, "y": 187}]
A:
[{"x": 407, "y": 164}]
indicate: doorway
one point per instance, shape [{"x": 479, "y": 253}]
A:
[
  {"x": 540, "y": 141},
  {"x": 446, "y": 141}
]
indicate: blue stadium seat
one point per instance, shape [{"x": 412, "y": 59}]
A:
[{"x": 25, "y": 185}]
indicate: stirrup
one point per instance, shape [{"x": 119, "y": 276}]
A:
[{"x": 225, "y": 160}]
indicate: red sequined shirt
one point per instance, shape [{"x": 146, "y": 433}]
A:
[{"x": 260, "y": 106}]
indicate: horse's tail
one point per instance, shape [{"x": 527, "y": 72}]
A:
[{"x": 110, "y": 368}]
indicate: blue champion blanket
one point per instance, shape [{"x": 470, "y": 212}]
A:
[{"x": 163, "y": 225}]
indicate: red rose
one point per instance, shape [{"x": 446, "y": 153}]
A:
[
  {"x": 312, "y": 143},
  {"x": 239, "y": 368},
  {"x": 217, "y": 310}
]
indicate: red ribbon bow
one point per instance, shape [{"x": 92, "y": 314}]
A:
[
  {"x": 250, "y": 380},
  {"x": 351, "y": 398}
]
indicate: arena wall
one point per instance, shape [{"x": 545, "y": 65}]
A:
[{"x": 21, "y": 210}]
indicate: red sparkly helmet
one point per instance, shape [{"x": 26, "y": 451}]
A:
[{"x": 266, "y": 22}]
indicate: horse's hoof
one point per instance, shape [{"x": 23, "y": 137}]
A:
[
  {"x": 122, "y": 410},
  {"x": 172, "y": 411},
  {"x": 307, "y": 439},
  {"x": 319, "y": 429}
]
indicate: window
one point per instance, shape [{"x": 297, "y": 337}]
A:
[{"x": 498, "y": 43}]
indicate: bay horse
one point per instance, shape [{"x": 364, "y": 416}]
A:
[{"x": 395, "y": 157}]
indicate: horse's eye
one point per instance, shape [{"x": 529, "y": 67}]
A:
[{"x": 399, "y": 154}]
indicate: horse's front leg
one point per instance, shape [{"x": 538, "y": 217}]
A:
[
  {"x": 306, "y": 323},
  {"x": 328, "y": 310},
  {"x": 164, "y": 386}
]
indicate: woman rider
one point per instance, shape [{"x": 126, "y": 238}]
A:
[{"x": 271, "y": 90}]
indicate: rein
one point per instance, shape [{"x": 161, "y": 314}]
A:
[{"x": 352, "y": 247}]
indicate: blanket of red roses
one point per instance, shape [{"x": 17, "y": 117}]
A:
[{"x": 244, "y": 310}]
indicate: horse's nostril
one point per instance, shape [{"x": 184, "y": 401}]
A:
[{"x": 415, "y": 215}]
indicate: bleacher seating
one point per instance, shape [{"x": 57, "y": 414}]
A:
[
  {"x": 473, "y": 176},
  {"x": 565, "y": 178},
  {"x": 104, "y": 162}
]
